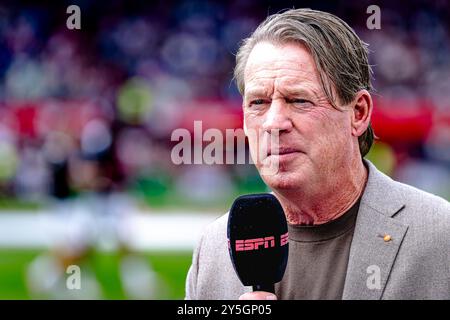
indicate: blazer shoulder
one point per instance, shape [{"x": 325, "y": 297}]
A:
[
  {"x": 423, "y": 201},
  {"x": 214, "y": 238},
  {"x": 406, "y": 203},
  {"x": 424, "y": 211},
  {"x": 206, "y": 259},
  {"x": 217, "y": 227},
  {"x": 216, "y": 278}
]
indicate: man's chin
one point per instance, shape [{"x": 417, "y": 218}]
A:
[{"x": 282, "y": 181}]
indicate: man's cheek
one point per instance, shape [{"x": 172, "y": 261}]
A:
[{"x": 324, "y": 146}]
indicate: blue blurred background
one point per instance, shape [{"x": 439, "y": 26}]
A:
[{"x": 86, "y": 117}]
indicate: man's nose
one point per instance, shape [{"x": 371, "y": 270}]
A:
[{"x": 277, "y": 117}]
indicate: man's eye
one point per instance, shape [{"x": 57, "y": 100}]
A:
[
  {"x": 257, "y": 102},
  {"x": 299, "y": 101},
  {"x": 302, "y": 102}
]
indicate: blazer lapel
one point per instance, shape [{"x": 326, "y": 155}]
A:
[
  {"x": 371, "y": 257},
  {"x": 376, "y": 240}
]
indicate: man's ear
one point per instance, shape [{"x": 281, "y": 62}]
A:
[{"x": 362, "y": 107}]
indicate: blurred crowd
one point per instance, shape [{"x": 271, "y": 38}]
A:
[{"x": 92, "y": 110}]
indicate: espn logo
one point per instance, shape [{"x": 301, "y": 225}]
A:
[{"x": 260, "y": 243}]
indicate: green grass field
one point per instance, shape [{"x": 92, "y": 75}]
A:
[{"x": 171, "y": 268}]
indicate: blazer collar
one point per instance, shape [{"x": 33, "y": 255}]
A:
[
  {"x": 371, "y": 254},
  {"x": 381, "y": 193}
]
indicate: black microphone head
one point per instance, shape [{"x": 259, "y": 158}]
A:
[{"x": 258, "y": 239}]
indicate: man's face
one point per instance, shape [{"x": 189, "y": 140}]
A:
[{"x": 283, "y": 92}]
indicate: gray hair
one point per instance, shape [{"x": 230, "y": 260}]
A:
[{"x": 341, "y": 57}]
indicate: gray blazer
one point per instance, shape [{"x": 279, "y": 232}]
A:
[{"x": 415, "y": 264}]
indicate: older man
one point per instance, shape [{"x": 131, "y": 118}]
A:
[{"x": 354, "y": 233}]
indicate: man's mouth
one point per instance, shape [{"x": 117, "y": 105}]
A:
[{"x": 282, "y": 151}]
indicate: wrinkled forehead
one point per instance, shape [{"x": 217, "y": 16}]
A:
[{"x": 290, "y": 64}]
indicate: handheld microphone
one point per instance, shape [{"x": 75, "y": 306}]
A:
[{"x": 258, "y": 240}]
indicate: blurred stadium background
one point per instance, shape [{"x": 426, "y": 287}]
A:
[{"x": 86, "y": 117}]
